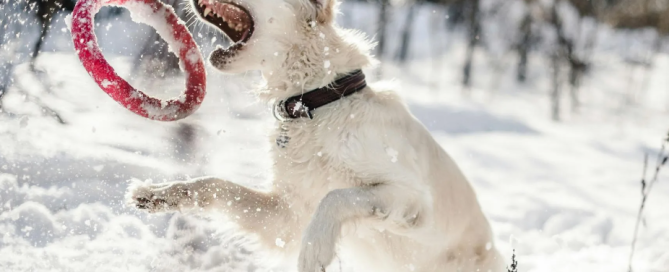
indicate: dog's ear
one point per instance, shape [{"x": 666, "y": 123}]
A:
[{"x": 325, "y": 10}]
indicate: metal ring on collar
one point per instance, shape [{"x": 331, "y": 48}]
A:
[{"x": 280, "y": 112}]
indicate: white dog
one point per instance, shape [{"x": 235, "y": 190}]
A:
[{"x": 354, "y": 170}]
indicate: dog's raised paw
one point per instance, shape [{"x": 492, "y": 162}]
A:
[
  {"x": 150, "y": 204},
  {"x": 141, "y": 195},
  {"x": 162, "y": 197}
]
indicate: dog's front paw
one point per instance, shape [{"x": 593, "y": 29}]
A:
[
  {"x": 155, "y": 198},
  {"x": 318, "y": 247}
]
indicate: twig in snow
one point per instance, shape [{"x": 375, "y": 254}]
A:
[
  {"x": 646, "y": 188},
  {"x": 514, "y": 264}
]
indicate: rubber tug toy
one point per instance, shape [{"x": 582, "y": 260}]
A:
[{"x": 168, "y": 25}]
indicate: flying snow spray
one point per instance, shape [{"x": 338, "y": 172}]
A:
[{"x": 168, "y": 25}]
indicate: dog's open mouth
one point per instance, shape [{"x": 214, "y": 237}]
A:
[{"x": 234, "y": 20}]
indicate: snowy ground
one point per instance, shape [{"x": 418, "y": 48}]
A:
[{"x": 565, "y": 195}]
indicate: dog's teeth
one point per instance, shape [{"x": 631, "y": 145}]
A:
[{"x": 207, "y": 11}]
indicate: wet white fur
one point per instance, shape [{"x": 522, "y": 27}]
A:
[{"x": 364, "y": 180}]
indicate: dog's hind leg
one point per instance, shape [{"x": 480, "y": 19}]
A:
[
  {"x": 380, "y": 202},
  {"x": 252, "y": 210}
]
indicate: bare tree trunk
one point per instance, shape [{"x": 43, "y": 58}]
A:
[
  {"x": 383, "y": 21},
  {"x": 46, "y": 9},
  {"x": 455, "y": 13},
  {"x": 45, "y": 25},
  {"x": 435, "y": 46},
  {"x": 555, "y": 93},
  {"x": 564, "y": 50},
  {"x": 406, "y": 34},
  {"x": 7, "y": 27},
  {"x": 577, "y": 68},
  {"x": 577, "y": 65},
  {"x": 524, "y": 47},
  {"x": 474, "y": 31},
  {"x": 575, "y": 76},
  {"x": 5, "y": 65}
]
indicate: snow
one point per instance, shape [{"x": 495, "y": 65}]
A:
[
  {"x": 193, "y": 56},
  {"x": 68, "y": 22},
  {"x": 156, "y": 112},
  {"x": 567, "y": 192},
  {"x": 106, "y": 83},
  {"x": 142, "y": 13},
  {"x": 564, "y": 195},
  {"x": 280, "y": 243}
]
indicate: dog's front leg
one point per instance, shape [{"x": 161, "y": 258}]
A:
[
  {"x": 345, "y": 205},
  {"x": 251, "y": 209}
]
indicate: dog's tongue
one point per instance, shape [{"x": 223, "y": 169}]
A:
[{"x": 170, "y": 28}]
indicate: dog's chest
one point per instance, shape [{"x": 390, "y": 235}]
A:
[
  {"x": 302, "y": 162},
  {"x": 296, "y": 142}
]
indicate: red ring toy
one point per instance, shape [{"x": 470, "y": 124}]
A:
[{"x": 174, "y": 32}]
